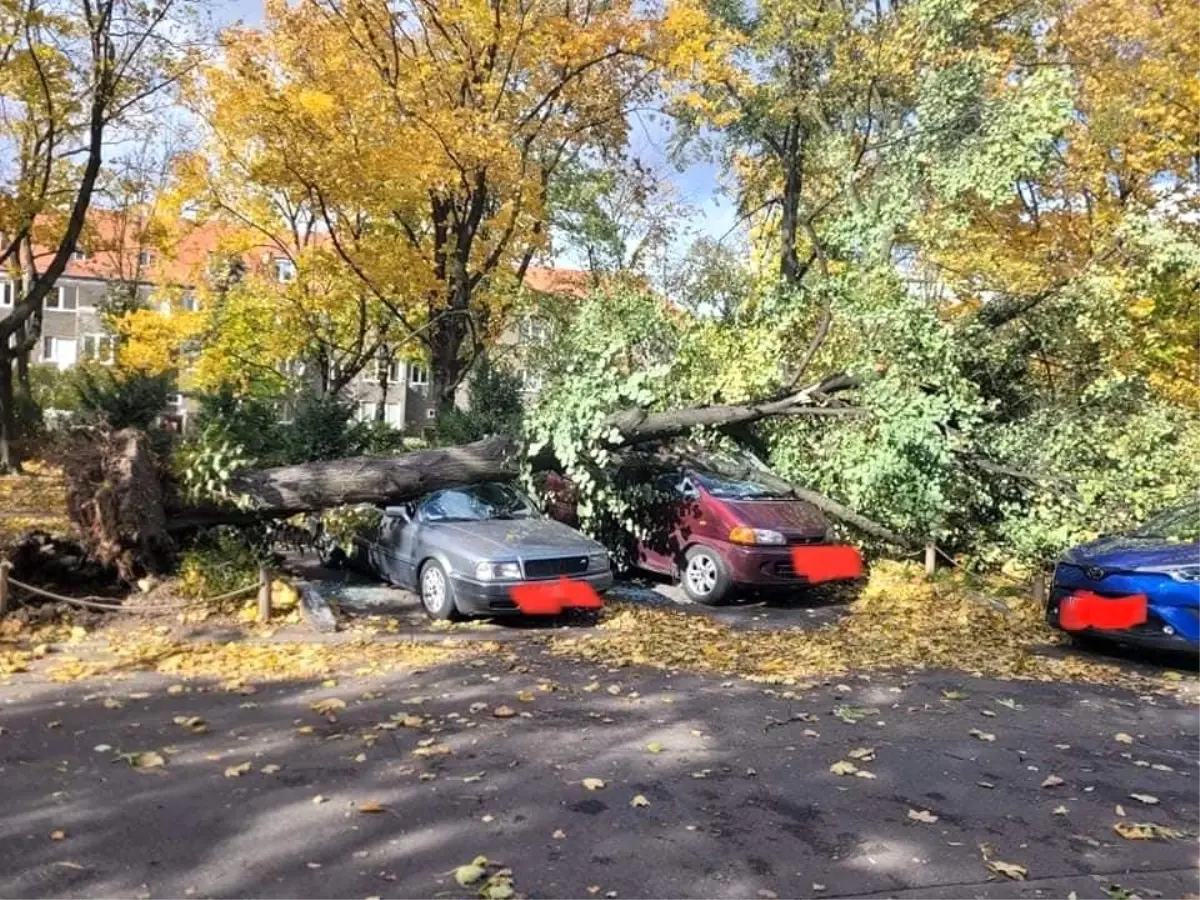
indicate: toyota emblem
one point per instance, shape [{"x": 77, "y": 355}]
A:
[{"x": 1094, "y": 572}]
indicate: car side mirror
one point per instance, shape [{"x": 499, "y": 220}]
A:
[{"x": 404, "y": 512}]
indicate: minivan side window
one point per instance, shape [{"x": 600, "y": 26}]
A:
[{"x": 687, "y": 489}]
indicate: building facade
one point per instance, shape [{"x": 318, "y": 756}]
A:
[{"x": 395, "y": 391}]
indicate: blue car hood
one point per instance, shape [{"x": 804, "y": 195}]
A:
[{"x": 1126, "y": 552}]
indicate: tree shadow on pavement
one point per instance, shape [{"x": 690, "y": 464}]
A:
[{"x": 739, "y": 797}]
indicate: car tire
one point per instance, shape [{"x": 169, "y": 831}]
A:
[
  {"x": 437, "y": 592},
  {"x": 705, "y": 577}
]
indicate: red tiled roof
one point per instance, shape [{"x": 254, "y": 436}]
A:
[{"x": 112, "y": 242}]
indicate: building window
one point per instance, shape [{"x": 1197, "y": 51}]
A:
[
  {"x": 65, "y": 298},
  {"x": 99, "y": 347},
  {"x": 392, "y": 415},
  {"x": 58, "y": 351},
  {"x": 6, "y": 293},
  {"x": 287, "y": 412},
  {"x": 531, "y": 382},
  {"x": 294, "y": 368},
  {"x": 431, "y": 413},
  {"x": 175, "y": 400},
  {"x": 366, "y": 411},
  {"x": 190, "y": 302},
  {"x": 418, "y": 376},
  {"x": 387, "y": 368},
  {"x": 145, "y": 257},
  {"x": 532, "y": 330},
  {"x": 285, "y": 270},
  {"x": 79, "y": 254}
]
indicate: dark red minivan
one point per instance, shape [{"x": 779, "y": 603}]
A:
[{"x": 716, "y": 534}]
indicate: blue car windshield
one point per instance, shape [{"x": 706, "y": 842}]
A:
[
  {"x": 1180, "y": 524},
  {"x": 476, "y": 503}
]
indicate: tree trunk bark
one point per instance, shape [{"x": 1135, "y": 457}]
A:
[
  {"x": 287, "y": 490},
  {"x": 10, "y": 460}
]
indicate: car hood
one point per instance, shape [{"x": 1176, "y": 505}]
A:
[
  {"x": 1121, "y": 551},
  {"x": 498, "y": 539},
  {"x": 794, "y": 516}
]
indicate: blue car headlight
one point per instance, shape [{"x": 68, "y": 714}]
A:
[
  {"x": 498, "y": 571},
  {"x": 1186, "y": 574}
]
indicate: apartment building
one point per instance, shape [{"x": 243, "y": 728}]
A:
[{"x": 73, "y": 329}]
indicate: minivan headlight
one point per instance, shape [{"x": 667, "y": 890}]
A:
[
  {"x": 498, "y": 571},
  {"x": 1186, "y": 574},
  {"x": 744, "y": 535},
  {"x": 598, "y": 562}
]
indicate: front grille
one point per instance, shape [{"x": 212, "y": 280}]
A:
[
  {"x": 551, "y": 568},
  {"x": 805, "y": 539},
  {"x": 780, "y": 569}
]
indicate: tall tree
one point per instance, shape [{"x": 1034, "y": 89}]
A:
[
  {"x": 72, "y": 75},
  {"x": 425, "y": 136}
]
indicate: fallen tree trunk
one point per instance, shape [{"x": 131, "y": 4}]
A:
[
  {"x": 126, "y": 506},
  {"x": 285, "y": 491}
]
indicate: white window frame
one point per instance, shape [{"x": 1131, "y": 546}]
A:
[
  {"x": 145, "y": 257},
  {"x": 189, "y": 302},
  {"x": 285, "y": 270},
  {"x": 531, "y": 382},
  {"x": 393, "y": 414},
  {"x": 366, "y": 410},
  {"x": 393, "y": 370},
  {"x": 431, "y": 413},
  {"x": 532, "y": 330},
  {"x": 97, "y": 339},
  {"x": 60, "y": 295},
  {"x": 52, "y": 342},
  {"x": 7, "y": 290},
  {"x": 79, "y": 254},
  {"x": 415, "y": 370}
]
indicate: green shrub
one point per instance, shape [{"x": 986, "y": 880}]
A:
[
  {"x": 221, "y": 560},
  {"x": 122, "y": 400},
  {"x": 494, "y": 406}
]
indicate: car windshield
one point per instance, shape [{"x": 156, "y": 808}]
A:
[
  {"x": 1179, "y": 524},
  {"x": 732, "y": 489},
  {"x": 476, "y": 503}
]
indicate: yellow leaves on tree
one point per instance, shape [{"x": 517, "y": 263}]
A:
[
  {"x": 153, "y": 342},
  {"x": 421, "y": 137}
]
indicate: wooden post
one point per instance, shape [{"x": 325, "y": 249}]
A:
[
  {"x": 930, "y": 558},
  {"x": 1038, "y": 587},
  {"x": 5, "y": 565},
  {"x": 264, "y": 594}
]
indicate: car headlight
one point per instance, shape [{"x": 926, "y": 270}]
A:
[
  {"x": 598, "y": 562},
  {"x": 498, "y": 571},
  {"x": 1187, "y": 574},
  {"x": 744, "y": 535}
]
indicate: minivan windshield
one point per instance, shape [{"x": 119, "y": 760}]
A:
[
  {"x": 1179, "y": 524},
  {"x": 734, "y": 489},
  {"x": 477, "y": 502}
]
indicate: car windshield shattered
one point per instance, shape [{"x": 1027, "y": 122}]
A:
[
  {"x": 1179, "y": 524},
  {"x": 734, "y": 489},
  {"x": 477, "y": 503}
]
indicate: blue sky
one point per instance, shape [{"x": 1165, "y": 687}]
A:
[{"x": 698, "y": 183}]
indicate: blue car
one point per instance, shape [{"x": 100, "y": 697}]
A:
[{"x": 1159, "y": 561}]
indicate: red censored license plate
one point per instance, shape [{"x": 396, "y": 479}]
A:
[
  {"x": 827, "y": 563},
  {"x": 552, "y": 597},
  {"x": 1085, "y": 609}
]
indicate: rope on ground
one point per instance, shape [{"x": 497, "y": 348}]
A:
[{"x": 93, "y": 602}]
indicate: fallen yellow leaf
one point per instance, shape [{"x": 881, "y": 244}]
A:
[
  {"x": 639, "y": 800},
  {"x": 593, "y": 784},
  {"x": 370, "y": 807},
  {"x": 238, "y": 770},
  {"x": 1009, "y": 870}
]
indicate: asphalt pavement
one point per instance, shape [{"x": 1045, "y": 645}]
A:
[{"x": 602, "y": 783}]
